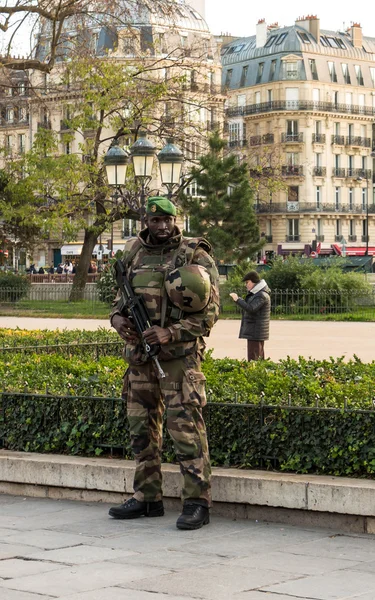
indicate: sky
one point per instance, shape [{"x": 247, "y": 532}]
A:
[{"x": 239, "y": 17}]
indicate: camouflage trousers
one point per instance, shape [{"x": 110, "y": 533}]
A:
[{"x": 182, "y": 395}]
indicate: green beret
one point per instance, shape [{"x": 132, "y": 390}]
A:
[{"x": 158, "y": 205}]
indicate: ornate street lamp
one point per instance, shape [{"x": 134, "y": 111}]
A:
[
  {"x": 116, "y": 163},
  {"x": 170, "y": 162},
  {"x": 143, "y": 153}
]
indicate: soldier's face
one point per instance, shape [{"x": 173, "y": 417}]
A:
[{"x": 161, "y": 227}]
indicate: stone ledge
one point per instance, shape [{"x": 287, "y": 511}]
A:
[{"x": 314, "y": 493}]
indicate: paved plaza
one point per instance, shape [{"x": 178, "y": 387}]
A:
[
  {"x": 74, "y": 551},
  {"x": 319, "y": 339}
]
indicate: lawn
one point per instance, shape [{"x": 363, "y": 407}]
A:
[{"x": 84, "y": 309}]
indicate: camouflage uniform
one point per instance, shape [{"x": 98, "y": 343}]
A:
[{"x": 182, "y": 392}]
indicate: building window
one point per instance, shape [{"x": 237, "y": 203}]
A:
[
  {"x": 338, "y": 227},
  {"x": 234, "y": 132},
  {"x": 318, "y": 159},
  {"x": 9, "y": 114},
  {"x": 292, "y": 128},
  {"x": 293, "y": 230},
  {"x": 228, "y": 77},
  {"x": 358, "y": 72},
  {"x": 314, "y": 72},
  {"x": 21, "y": 142},
  {"x": 269, "y": 95},
  {"x": 332, "y": 71},
  {"x": 129, "y": 228},
  {"x": 337, "y": 128},
  {"x": 192, "y": 189},
  {"x": 364, "y": 163},
  {"x": 280, "y": 39},
  {"x": 337, "y": 198},
  {"x": 260, "y": 72},
  {"x": 270, "y": 41},
  {"x": 244, "y": 73},
  {"x": 364, "y": 198},
  {"x": 319, "y": 227},
  {"x": 293, "y": 193},
  {"x": 318, "y": 127},
  {"x": 318, "y": 195},
  {"x": 22, "y": 114},
  {"x": 345, "y": 72},
  {"x": 9, "y": 142},
  {"x": 337, "y": 161},
  {"x": 351, "y": 198},
  {"x": 273, "y": 70},
  {"x": 372, "y": 73},
  {"x": 292, "y": 159},
  {"x": 68, "y": 148},
  {"x": 291, "y": 70},
  {"x": 364, "y": 229},
  {"x": 351, "y": 227},
  {"x": 304, "y": 37}
]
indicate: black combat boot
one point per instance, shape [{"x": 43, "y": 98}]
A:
[
  {"x": 133, "y": 509},
  {"x": 193, "y": 516}
]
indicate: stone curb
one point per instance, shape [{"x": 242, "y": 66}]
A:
[{"x": 343, "y": 496}]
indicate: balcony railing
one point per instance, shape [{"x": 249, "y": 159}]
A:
[
  {"x": 45, "y": 125},
  {"x": 365, "y": 238},
  {"x": 339, "y": 140},
  {"x": 268, "y": 239},
  {"x": 300, "y": 105},
  {"x": 310, "y": 207},
  {"x": 255, "y": 140},
  {"x": 15, "y": 123},
  {"x": 292, "y": 171},
  {"x": 319, "y": 238},
  {"x": 292, "y": 238},
  {"x": 352, "y": 238},
  {"x": 268, "y": 138},
  {"x": 362, "y": 173},
  {"x": 358, "y": 141},
  {"x": 338, "y": 238},
  {"x": 213, "y": 125},
  {"x": 319, "y": 138},
  {"x": 287, "y": 138},
  {"x": 319, "y": 171},
  {"x": 336, "y": 172},
  {"x": 237, "y": 143}
]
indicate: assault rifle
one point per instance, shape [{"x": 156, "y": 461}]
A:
[{"x": 138, "y": 312}]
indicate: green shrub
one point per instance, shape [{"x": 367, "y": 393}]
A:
[
  {"x": 13, "y": 287},
  {"x": 107, "y": 286}
]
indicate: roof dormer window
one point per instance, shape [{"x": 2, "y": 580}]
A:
[
  {"x": 280, "y": 39},
  {"x": 270, "y": 41},
  {"x": 304, "y": 37}
]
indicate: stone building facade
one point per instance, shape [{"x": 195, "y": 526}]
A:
[
  {"x": 39, "y": 100},
  {"x": 301, "y": 107}
]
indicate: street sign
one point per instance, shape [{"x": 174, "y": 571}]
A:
[
  {"x": 313, "y": 254},
  {"x": 99, "y": 255}
]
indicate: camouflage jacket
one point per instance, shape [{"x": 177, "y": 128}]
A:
[{"x": 147, "y": 266}]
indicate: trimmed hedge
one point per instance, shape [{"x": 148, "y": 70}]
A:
[{"x": 303, "y": 416}]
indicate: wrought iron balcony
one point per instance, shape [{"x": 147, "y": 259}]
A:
[
  {"x": 319, "y": 138},
  {"x": 360, "y": 173},
  {"x": 268, "y": 138},
  {"x": 352, "y": 238},
  {"x": 292, "y": 238},
  {"x": 310, "y": 207},
  {"x": 338, "y": 238},
  {"x": 319, "y": 238},
  {"x": 292, "y": 171},
  {"x": 339, "y": 140},
  {"x": 237, "y": 143},
  {"x": 268, "y": 239},
  {"x": 337, "y": 172},
  {"x": 213, "y": 125},
  {"x": 45, "y": 125},
  {"x": 287, "y": 138},
  {"x": 319, "y": 171},
  {"x": 15, "y": 123},
  {"x": 300, "y": 105},
  {"x": 358, "y": 141},
  {"x": 255, "y": 140},
  {"x": 365, "y": 238}
]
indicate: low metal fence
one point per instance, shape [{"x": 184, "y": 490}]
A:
[
  {"x": 316, "y": 302},
  {"x": 254, "y": 436}
]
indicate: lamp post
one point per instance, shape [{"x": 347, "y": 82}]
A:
[{"x": 142, "y": 153}]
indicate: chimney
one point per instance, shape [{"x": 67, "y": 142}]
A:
[
  {"x": 261, "y": 33},
  {"x": 311, "y": 23},
  {"x": 357, "y": 37}
]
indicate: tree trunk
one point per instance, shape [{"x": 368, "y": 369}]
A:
[{"x": 80, "y": 278}]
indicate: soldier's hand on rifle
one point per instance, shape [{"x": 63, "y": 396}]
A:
[
  {"x": 125, "y": 328},
  {"x": 157, "y": 335}
]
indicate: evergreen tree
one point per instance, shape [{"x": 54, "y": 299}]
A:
[{"x": 223, "y": 212}]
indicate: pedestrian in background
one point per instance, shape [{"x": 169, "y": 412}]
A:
[{"x": 256, "y": 309}]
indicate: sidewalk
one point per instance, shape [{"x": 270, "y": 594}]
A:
[
  {"x": 319, "y": 339},
  {"x": 74, "y": 551}
]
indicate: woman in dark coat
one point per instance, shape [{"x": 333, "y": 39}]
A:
[{"x": 256, "y": 308}]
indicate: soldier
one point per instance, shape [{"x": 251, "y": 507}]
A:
[{"x": 178, "y": 280}]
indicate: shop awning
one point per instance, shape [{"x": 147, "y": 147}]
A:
[
  {"x": 71, "y": 250},
  {"x": 354, "y": 250}
]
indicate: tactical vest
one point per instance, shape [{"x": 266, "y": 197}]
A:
[{"x": 147, "y": 269}]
